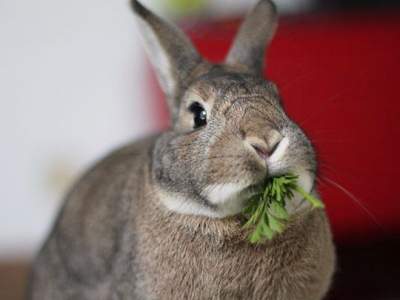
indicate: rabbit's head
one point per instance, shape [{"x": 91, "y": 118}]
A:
[{"x": 229, "y": 130}]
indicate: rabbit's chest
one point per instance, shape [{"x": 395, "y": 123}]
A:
[
  {"x": 175, "y": 262},
  {"x": 197, "y": 270}
]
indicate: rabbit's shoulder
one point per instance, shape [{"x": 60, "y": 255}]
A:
[{"x": 89, "y": 232}]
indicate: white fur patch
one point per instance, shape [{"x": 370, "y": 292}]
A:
[
  {"x": 298, "y": 203},
  {"x": 279, "y": 152},
  {"x": 220, "y": 193},
  {"x": 226, "y": 197},
  {"x": 182, "y": 205}
]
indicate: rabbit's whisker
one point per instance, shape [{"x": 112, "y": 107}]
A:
[{"x": 352, "y": 197}]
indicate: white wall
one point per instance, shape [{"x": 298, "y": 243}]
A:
[{"x": 72, "y": 87}]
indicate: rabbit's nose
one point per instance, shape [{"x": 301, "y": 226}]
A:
[
  {"x": 265, "y": 149},
  {"x": 261, "y": 150}
]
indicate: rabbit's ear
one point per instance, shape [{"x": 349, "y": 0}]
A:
[
  {"x": 170, "y": 52},
  {"x": 255, "y": 33}
]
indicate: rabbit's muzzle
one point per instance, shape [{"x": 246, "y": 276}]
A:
[{"x": 259, "y": 141}]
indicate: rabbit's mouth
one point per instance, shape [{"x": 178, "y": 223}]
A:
[{"x": 230, "y": 199}]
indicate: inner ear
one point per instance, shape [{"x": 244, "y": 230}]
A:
[{"x": 171, "y": 53}]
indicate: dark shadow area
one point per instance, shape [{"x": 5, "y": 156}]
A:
[
  {"x": 368, "y": 271},
  {"x": 365, "y": 271}
]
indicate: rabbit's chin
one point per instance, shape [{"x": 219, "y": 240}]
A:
[
  {"x": 223, "y": 200},
  {"x": 229, "y": 199}
]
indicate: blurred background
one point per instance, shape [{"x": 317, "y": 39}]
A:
[{"x": 75, "y": 84}]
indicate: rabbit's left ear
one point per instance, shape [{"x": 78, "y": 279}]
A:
[{"x": 170, "y": 52}]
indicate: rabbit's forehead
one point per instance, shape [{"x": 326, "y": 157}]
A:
[{"x": 225, "y": 89}]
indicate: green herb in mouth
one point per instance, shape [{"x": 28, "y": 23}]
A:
[{"x": 266, "y": 213}]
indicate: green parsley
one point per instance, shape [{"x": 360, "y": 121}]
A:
[{"x": 266, "y": 213}]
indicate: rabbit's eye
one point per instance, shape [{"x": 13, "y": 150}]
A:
[{"x": 199, "y": 114}]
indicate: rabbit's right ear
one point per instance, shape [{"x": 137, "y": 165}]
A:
[
  {"x": 170, "y": 52},
  {"x": 254, "y": 36}
]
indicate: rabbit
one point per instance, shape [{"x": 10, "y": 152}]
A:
[{"x": 161, "y": 218}]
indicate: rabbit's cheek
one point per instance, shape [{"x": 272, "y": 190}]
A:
[{"x": 305, "y": 180}]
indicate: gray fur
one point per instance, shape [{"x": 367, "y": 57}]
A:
[{"x": 117, "y": 238}]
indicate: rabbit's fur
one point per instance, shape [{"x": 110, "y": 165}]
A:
[{"x": 159, "y": 219}]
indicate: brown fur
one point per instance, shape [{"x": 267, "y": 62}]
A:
[
  {"x": 115, "y": 238},
  {"x": 199, "y": 258},
  {"x": 140, "y": 248}
]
